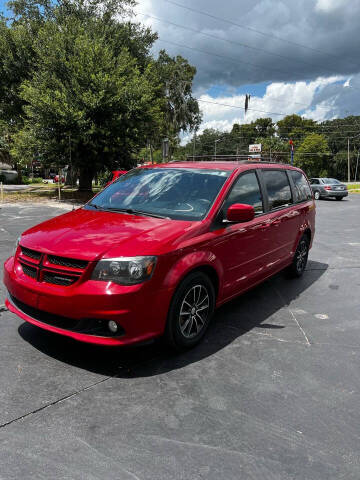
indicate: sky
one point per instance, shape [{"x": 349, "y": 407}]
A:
[{"x": 291, "y": 56}]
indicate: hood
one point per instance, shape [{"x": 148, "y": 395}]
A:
[{"x": 90, "y": 235}]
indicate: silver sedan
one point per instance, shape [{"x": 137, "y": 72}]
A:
[{"x": 328, "y": 187}]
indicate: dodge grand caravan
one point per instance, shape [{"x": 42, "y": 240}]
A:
[{"x": 159, "y": 249}]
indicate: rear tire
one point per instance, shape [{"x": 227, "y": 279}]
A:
[
  {"x": 317, "y": 195},
  {"x": 190, "y": 312},
  {"x": 339, "y": 198},
  {"x": 297, "y": 268}
]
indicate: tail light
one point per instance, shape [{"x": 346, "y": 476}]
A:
[{"x": 328, "y": 188}]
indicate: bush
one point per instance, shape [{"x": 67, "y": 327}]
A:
[{"x": 28, "y": 181}]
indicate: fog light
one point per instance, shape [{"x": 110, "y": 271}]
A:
[{"x": 113, "y": 326}]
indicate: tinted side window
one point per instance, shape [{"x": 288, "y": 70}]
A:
[
  {"x": 278, "y": 188},
  {"x": 314, "y": 181},
  {"x": 302, "y": 189},
  {"x": 246, "y": 190}
]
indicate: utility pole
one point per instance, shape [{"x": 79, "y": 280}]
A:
[
  {"x": 357, "y": 164},
  {"x": 349, "y": 159},
  {"x": 218, "y": 140}
]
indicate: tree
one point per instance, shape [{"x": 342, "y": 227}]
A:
[
  {"x": 312, "y": 154},
  {"x": 264, "y": 127},
  {"x": 274, "y": 149},
  {"x": 181, "y": 110},
  {"x": 93, "y": 87},
  {"x": 17, "y": 64},
  {"x": 85, "y": 94},
  {"x": 295, "y": 127}
]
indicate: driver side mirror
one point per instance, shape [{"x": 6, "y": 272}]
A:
[{"x": 240, "y": 212}]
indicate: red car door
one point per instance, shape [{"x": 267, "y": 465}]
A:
[
  {"x": 244, "y": 248},
  {"x": 284, "y": 215}
]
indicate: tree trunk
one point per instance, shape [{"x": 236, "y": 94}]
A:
[
  {"x": 71, "y": 176},
  {"x": 85, "y": 180}
]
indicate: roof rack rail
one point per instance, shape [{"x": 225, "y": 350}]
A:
[{"x": 232, "y": 158}]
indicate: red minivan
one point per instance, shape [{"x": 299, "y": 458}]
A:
[{"x": 159, "y": 249}]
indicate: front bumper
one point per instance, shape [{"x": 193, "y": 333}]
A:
[{"x": 139, "y": 310}]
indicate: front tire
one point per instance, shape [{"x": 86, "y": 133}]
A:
[
  {"x": 299, "y": 262},
  {"x": 190, "y": 311}
]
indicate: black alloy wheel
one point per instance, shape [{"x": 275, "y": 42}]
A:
[
  {"x": 300, "y": 259},
  {"x": 190, "y": 311}
]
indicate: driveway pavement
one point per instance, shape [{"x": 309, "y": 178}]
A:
[{"x": 273, "y": 392}]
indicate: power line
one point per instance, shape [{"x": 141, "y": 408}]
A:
[
  {"x": 235, "y": 60},
  {"x": 239, "y": 107},
  {"x": 261, "y": 111},
  {"x": 235, "y": 43},
  {"x": 232, "y": 59},
  {"x": 276, "y": 100},
  {"x": 251, "y": 29}
]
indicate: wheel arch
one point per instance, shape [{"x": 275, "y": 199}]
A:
[{"x": 204, "y": 262}]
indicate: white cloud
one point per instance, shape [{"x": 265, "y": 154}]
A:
[
  {"x": 279, "y": 99},
  {"x": 306, "y": 52},
  {"x": 329, "y": 5}
]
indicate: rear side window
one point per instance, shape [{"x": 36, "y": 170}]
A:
[
  {"x": 302, "y": 189},
  {"x": 246, "y": 190},
  {"x": 314, "y": 181},
  {"x": 278, "y": 188}
]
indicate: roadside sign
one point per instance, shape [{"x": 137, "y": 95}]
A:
[{"x": 255, "y": 148}]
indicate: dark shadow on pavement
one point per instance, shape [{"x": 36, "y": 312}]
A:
[{"x": 250, "y": 310}]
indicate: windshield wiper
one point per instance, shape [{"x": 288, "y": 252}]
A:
[
  {"x": 131, "y": 211},
  {"x": 95, "y": 206}
]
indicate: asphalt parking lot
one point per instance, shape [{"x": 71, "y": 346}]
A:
[{"x": 273, "y": 392}]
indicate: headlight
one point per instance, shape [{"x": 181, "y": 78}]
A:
[
  {"x": 124, "y": 270},
  {"x": 16, "y": 245}
]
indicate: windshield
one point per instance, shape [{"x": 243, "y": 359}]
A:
[
  {"x": 179, "y": 194},
  {"x": 330, "y": 181}
]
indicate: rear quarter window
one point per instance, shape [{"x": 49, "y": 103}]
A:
[
  {"x": 278, "y": 188},
  {"x": 302, "y": 191}
]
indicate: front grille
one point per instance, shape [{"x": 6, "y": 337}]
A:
[
  {"x": 29, "y": 271},
  {"x": 51, "y": 268},
  {"x": 59, "y": 278},
  {"x": 31, "y": 253},
  {"x": 67, "y": 262}
]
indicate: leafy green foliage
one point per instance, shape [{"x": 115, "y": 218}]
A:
[
  {"x": 79, "y": 84},
  {"x": 312, "y": 153}
]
